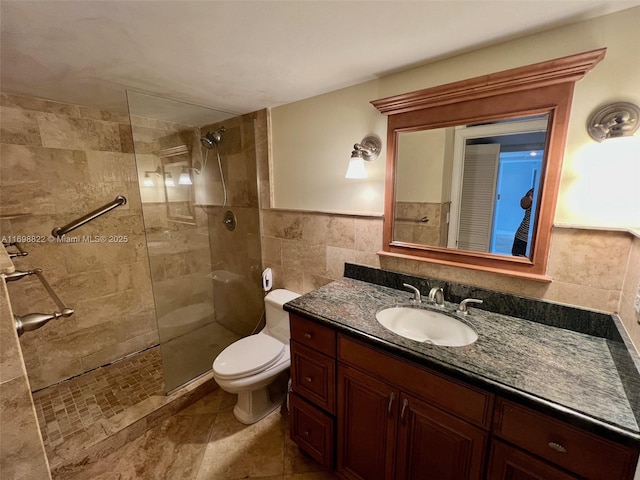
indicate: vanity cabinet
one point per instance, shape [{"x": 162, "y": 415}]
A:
[
  {"x": 313, "y": 382},
  {"x": 376, "y": 416},
  {"x": 571, "y": 448},
  {"x": 386, "y": 432}
]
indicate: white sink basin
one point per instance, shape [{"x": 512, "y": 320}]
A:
[{"x": 426, "y": 326}]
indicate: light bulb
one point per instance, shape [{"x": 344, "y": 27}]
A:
[
  {"x": 356, "y": 168},
  {"x": 148, "y": 181},
  {"x": 185, "y": 178}
]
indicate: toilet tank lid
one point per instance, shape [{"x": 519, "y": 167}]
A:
[{"x": 280, "y": 296}]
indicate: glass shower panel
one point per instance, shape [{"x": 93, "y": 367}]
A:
[{"x": 205, "y": 275}]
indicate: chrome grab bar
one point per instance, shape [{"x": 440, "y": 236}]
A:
[
  {"x": 60, "y": 231},
  {"x": 33, "y": 321},
  {"x": 16, "y": 245},
  {"x": 424, "y": 219}
]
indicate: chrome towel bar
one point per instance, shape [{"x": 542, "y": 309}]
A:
[
  {"x": 33, "y": 321},
  {"x": 16, "y": 245},
  {"x": 60, "y": 231}
]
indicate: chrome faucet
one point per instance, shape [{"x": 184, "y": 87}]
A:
[
  {"x": 436, "y": 295},
  {"x": 463, "y": 305},
  {"x": 416, "y": 293}
]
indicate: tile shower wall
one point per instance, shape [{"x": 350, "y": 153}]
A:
[
  {"x": 59, "y": 162},
  {"x": 22, "y": 454},
  {"x": 236, "y": 260},
  {"x": 178, "y": 250}
]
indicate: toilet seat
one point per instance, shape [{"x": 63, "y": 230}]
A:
[{"x": 248, "y": 356}]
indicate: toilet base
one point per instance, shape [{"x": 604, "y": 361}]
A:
[{"x": 254, "y": 405}]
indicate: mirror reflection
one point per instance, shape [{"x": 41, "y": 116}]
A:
[
  {"x": 471, "y": 187},
  {"x": 178, "y": 186}
]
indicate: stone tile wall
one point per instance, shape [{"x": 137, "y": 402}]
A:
[
  {"x": 22, "y": 454},
  {"x": 236, "y": 259},
  {"x": 433, "y": 231},
  {"x": 60, "y": 162},
  {"x": 587, "y": 267},
  {"x": 630, "y": 318},
  {"x": 306, "y": 250}
]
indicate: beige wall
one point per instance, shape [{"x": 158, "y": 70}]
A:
[
  {"x": 312, "y": 138},
  {"x": 591, "y": 267},
  {"x": 423, "y": 161},
  {"x": 60, "y": 162}
]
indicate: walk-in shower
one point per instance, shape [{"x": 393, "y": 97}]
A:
[
  {"x": 159, "y": 286},
  {"x": 205, "y": 278}
]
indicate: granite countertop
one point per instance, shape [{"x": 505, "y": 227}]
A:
[{"x": 561, "y": 369}]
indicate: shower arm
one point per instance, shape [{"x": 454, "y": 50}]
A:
[{"x": 33, "y": 321}]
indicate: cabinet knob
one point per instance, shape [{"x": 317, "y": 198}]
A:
[
  {"x": 308, "y": 379},
  {"x": 307, "y": 335},
  {"x": 557, "y": 447},
  {"x": 306, "y": 434}
]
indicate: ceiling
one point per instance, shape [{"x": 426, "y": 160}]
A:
[{"x": 241, "y": 56}]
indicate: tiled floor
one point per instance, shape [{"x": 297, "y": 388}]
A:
[
  {"x": 206, "y": 442},
  {"x": 70, "y": 408}
]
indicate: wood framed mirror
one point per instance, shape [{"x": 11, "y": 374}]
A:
[{"x": 472, "y": 163}]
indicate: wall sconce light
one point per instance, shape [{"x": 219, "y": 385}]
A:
[
  {"x": 615, "y": 120},
  {"x": 148, "y": 181},
  {"x": 185, "y": 177},
  {"x": 168, "y": 180},
  {"x": 367, "y": 150}
]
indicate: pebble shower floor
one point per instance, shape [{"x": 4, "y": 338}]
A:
[{"x": 73, "y": 406}]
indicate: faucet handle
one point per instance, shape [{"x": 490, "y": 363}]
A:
[
  {"x": 416, "y": 293},
  {"x": 462, "y": 308}
]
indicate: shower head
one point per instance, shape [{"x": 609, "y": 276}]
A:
[{"x": 211, "y": 139}]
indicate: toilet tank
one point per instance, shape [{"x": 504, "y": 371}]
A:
[{"x": 277, "y": 320}]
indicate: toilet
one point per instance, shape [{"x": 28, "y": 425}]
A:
[{"x": 252, "y": 364}]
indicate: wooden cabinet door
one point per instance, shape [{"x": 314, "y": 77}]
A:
[
  {"x": 508, "y": 463},
  {"x": 433, "y": 445},
  {"x": 367, "y": 412}
]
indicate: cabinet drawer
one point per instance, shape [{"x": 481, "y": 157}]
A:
[
  {"x": 510, "y": 463},
  {"x": 312, "y": 430},
  {"x": 464, "y": 401},
  {"x": 313, "y": 376},
  {"x": 314, "y": 335},
  {"x": 565, "y": 445}
]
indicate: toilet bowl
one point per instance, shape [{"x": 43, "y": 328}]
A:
[{"x": 251, "y": 365}]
